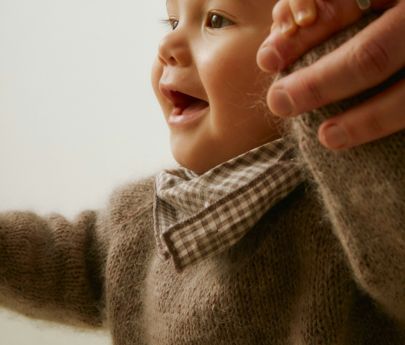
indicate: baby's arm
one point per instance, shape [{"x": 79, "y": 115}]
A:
[
  {"x": 53, "y": 269},
  {"x": 363, "y": 191}
]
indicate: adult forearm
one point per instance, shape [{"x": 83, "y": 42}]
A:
[{"x": 362, "y": 190}]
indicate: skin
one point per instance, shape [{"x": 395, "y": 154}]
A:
[
  {"x": 368, "y": 59},
  {"x": 219, "y": 66}
]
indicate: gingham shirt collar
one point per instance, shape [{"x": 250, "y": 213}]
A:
[{"x": 197, "y": 216}]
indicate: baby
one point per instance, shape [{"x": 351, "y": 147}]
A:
[
  {"x": 260, "y": 236},
  {"x": 208, "y": 83}
]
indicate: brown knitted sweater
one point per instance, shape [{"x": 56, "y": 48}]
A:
[{"x": 324, "y": 266}]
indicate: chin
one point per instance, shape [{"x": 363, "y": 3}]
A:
[
  {"x": 199, "y": 153},
  {"x": 193, "y": 160},
  {"x": 191, "y": 164}
]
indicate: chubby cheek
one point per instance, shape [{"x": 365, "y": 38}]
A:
[
  {"x": 234, "y": 82},
  {"x": 237, "y": 89}
]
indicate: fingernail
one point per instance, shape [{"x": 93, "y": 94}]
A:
[
  {"x": 270, "y": 59},
  {"x": 280, "y": 103},
  {"x": 287, "y": 27},
  {"x": 335, "y": 137},
  {"x": 303, "y": 17}
]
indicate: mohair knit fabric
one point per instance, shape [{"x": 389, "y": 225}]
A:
[{"x": 324, "y": 266}]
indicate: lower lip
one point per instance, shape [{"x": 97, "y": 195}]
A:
[{"x": 186, "y": 119}]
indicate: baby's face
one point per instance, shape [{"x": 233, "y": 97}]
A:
[{"x": 207, "y": 81}]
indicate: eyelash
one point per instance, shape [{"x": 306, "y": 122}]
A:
[
  {"x": 170, "y": 22},
  {"x": 173, "y": 23}
]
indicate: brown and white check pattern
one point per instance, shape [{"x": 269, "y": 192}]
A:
[{"x": 197, "y": 216}]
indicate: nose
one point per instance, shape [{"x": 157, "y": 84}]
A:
[{"x": 174, "y": 49}]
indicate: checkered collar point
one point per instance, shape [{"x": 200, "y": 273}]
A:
[{"x": 198, "y": 216}]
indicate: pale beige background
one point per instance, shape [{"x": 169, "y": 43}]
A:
[{"x": 77, "y": 116}]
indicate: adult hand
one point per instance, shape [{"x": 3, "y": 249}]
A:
[{"x": 366, "y": 60}]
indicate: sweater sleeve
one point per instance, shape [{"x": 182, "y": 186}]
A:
[
  {"x": 363, "y": 193},
  {"x": 53, "y": 269}
]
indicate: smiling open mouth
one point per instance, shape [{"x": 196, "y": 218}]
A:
[{"x": 185, "y": 104}]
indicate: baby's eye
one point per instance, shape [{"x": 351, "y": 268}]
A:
[
  {"x": 173, "y": 23},
  {"x": 217, "y": 21}
]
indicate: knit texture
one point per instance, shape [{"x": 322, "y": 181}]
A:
[{"x": 326, "y": 265}]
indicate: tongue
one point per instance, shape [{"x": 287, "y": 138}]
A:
[
  {"x": 191, "y": 108},
  {"x": 196, "y": 106}
]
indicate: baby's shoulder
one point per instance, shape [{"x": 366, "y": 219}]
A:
[{"x": 131, "y": 199}]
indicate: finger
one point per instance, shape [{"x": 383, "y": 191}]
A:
[
  {"x": 304, "y": 11},
  {"x": 377, "y": 118},
  {"x": 283, "y": 20},
  {"x": 383, "y": 4},
  {"x": 361, "y": 63},
  {"x": 280, "y": 50}
]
